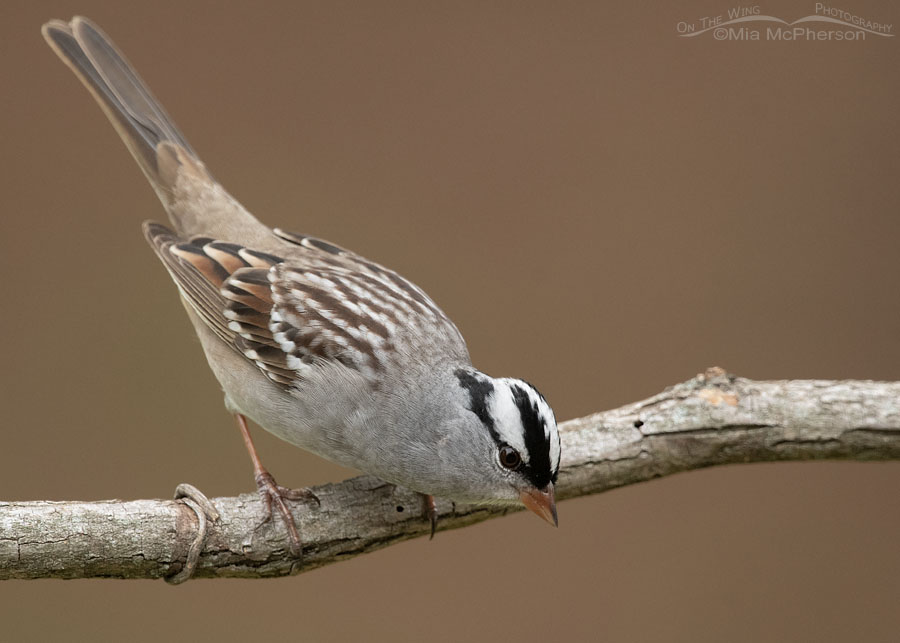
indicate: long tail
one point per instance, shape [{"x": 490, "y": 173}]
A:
[
  {"x": 137, "y": 116},
  {"x": 195, "y": 202}
]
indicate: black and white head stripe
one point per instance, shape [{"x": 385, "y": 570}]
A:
[{"x": 516, "y": 414}]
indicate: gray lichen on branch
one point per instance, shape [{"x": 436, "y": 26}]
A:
[{"x": 712, "y": 419}]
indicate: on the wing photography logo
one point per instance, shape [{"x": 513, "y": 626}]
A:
[{"x": 747, "y": 22}]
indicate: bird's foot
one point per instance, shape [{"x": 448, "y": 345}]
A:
[
  {"x": 205, "y": 511},
  {"x": 273, "y": 494},
  {"x": 431, "y": 512}
]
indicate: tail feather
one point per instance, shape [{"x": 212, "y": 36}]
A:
[
  {"x": 195, "y": 202},
  {"x": 142, "y": 122}
]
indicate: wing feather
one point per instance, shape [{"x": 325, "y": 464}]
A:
[{"x": 319, "y": 302}]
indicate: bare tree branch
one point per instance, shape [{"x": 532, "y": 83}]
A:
[{"x": 710, "y": 420}]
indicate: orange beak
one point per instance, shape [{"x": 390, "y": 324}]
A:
[{"x": 542, "y": 502}]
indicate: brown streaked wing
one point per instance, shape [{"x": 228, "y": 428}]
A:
[
  {"x": 319, "y": 303},
  {"x": 195, "y": 278},
  {"x": 385, "y": 291}
]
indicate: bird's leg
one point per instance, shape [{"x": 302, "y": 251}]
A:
[
  {"x": 431, "y": 512},
  {"x": 271, "y": 492}
]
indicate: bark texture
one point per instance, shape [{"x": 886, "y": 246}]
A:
[{"x": 712, "y": 419}]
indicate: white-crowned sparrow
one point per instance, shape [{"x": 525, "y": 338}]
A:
[{"x": 327, "y": 350}]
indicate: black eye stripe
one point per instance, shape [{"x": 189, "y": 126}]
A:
[
  {"x": 479, "y": 392},
  {"x": 539, "y": 469}
]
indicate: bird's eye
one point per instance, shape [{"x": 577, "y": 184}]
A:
[{"x": 510, "y": 458}]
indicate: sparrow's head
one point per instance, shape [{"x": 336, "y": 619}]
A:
[{"x": 518, "y": 431}]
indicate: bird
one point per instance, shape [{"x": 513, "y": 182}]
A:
[{"x": 327, "y": 350}]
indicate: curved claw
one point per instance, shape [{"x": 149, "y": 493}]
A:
[
  {"x": 298, "y": 495},
  {"x": 204, "y": 509},
  {"x": 272, "y": 493},
  {"x": 431, "y": 513}
]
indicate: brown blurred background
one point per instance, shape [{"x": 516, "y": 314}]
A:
[{"x": 603, "y": 207}]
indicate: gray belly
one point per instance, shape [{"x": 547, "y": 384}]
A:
[{"x": 321, "y": 419}]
